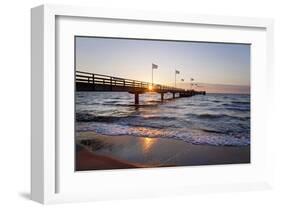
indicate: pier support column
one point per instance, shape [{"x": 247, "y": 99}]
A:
[
  {"x": 162, "y": 97},
  {"x": 174, "y": 95},
  {"x": 136, "y": 98}
]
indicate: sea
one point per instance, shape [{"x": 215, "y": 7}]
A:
[{"x": 211, "y": 119}]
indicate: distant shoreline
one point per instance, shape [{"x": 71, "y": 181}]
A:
[{"x": 101, "y": 152}]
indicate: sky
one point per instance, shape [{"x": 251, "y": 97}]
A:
[{"x": 216, "y": 66}]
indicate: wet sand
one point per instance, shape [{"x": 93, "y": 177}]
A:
[
  {"x": 87, "y": 160},
  {"x": 96, "y": 152}
]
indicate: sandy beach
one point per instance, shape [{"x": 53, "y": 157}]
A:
[{"x": 96, "y": 152}]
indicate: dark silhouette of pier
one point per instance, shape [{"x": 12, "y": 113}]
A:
[{"x": 96, "y": 82}]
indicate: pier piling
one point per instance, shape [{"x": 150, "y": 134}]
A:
[
  {"x": 136, "y": 98},
  {"x": 162, "y": 97}
]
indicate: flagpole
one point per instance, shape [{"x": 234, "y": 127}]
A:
[
  {"x": 152, "y": 76},
  {"x": 176, "y": 72},
  {"x": 153, "y": 66},
  {"x": 175, "y": 79}
]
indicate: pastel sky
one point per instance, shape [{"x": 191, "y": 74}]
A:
[{"x": 208, "y": 63}]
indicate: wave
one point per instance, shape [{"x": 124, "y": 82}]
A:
[
  {"x": 211, "y": 116},
  {"x": 110, "y": 102},
  {"x": 87, "y": 117},
  {"x": 178, "y": 107},
  {"x": 216, "y": 101},
  {"x": 213, "y": 131},
  {"x": 241, "y": 109},
  {"x": 134, "y": 105},
  {"x": 190, "y": 136},
  {"x": 240, "y": 102},
  {"x": 216, "y": 116},
  {"x": 147, "y": 120},
  {"x": 237, "y": 107},
  {"x": 214, "y": 120}
]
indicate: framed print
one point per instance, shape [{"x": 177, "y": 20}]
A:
[
  {"x": 129, "y": 104},
  {"x": 126, "y": 123}
]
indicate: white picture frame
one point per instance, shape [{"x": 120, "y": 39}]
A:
[{"x": 51, "y": 182}]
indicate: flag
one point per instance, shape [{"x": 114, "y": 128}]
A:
[
  {"x": 182, "y": 80},
  {"x": 192, "y": 79},
  {"x": 154, "y": 66},
  {"x": 177, "y": 72}
]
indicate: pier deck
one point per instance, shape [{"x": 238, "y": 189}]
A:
[{"x": 96, "y": 82}]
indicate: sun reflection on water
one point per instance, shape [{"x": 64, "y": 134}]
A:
[{"x": 147, "y": 144}]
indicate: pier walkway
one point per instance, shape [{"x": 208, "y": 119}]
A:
[{"x": 96, "y": 82}]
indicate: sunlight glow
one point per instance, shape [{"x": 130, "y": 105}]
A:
[{"x": 147, "y": 144}]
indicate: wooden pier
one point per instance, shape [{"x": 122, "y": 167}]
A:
[{"x": 96, "y": 82}]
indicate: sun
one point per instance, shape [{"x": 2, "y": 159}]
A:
[{"x": 150, "y": 87}]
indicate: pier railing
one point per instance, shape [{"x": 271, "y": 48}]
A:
[
  {"x": 96, "y": 82},
  {"x": 111, "y": 81}
]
